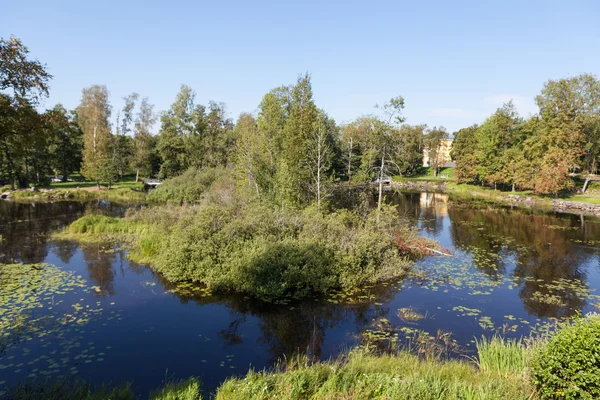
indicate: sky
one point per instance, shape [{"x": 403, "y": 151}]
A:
[{"x": 454, "y": 62}]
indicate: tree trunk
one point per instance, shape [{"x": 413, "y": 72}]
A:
[
  {"x": 381, "y": 179},
  {"x": 585, "y": 185},
  {"x": 137, "y": 175},
  {"x": 349, "y": 161},
  {"x": 513, "y": 187},
  {"x": 26, "y": 171},
  {"x": 10, "y": 166}
]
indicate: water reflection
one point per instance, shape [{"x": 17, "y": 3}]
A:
[{"x": 525, "y": 252}]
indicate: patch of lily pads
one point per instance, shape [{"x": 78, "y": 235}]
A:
[{"x": 44, "y": 315}]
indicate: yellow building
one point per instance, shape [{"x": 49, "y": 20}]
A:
[{"x": 443, "y": 154}]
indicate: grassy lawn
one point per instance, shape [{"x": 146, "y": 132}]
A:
[
  {"x": 445, "y": 175},
  {"x": 583, "y": 198},
  {"x": 126, "y": 181}
]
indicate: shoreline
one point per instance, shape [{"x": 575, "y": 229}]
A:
[{"x": 530, "y": 202}]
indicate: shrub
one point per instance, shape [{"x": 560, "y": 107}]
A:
[
  {"x": 190, "y": 187},
  {"x": 568, "y": 366},
  {"x": 272, "y": 253},
  {"x": 253, "y": 249}
]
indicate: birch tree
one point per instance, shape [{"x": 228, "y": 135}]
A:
[{"x": 93, "y": 116}]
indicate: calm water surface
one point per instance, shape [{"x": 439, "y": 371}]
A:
[{"x": 510, "y": 270}]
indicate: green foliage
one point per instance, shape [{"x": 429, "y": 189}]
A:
[
  {"x": 365, "y": 376},
  {"x": 188, "y": 389},
  {"x": 233, "y": 246},
  {"x": 192, "y": 137},
  {"x": 568, "y": 366},
  {"x": 64, "y": 389},
  {"x": 190, "y": 187},
  {"x": 504, "y": 357},
  {"x": 93, "y": 116},
  {"x": 271, "y": 254}
]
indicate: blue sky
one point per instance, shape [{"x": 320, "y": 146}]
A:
[{"x": 453, "y": 61}]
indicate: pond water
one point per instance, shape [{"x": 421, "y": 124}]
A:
[{"x": 99, "y": 317}]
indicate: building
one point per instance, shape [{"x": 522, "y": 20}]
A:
[{"x": 443, "y": 154}]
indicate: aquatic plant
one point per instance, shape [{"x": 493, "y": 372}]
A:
[{"x": 409, "y": 314}]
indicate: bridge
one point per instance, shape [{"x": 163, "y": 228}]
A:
[{"x": 152, "y": 183}]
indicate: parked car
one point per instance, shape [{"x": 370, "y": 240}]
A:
[{"x": 57, "y": 178}]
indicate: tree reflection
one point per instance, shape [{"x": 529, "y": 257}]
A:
[
  {"x": 99, "y": 261},
  {"x": 544, "y": 250}
]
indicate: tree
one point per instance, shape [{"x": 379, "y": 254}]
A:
[
  {"x": 293, "y": 174},
  {"x": 249, "y": 150},
  {"x": 274, "y": 111},
  {"x": 408, "y": 155},
  {"x": 217, "y": 136},
  {"x": 122, "y": 142},
  {"x": 144, "y": 154},
  {"x": 392, "y": 111},
  {"x": 434, "y": 142},
  {"x": 93, "y": 117},
  {"x": 320, "y": 156},
  {"x": 568, "y": 109},
  {"x": 20, "y": 123},
  {"x": 26, "y": 78},
  {"x": 464, "y": 147},
  {"x": 495, "y": 137},
  {"x": 66, "y": 141},
  {"x": 362, "y": 148}
]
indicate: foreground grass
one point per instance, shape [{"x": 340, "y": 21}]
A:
[
  {"x": 502, "y": 375},
  {"x": 76, "y": 390}
]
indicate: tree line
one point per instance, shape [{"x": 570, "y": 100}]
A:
[
  {"x": 290, "y": 151},
  {"x": 543, "y": 152}
]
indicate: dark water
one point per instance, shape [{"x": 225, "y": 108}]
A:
[{"x": 510, "y": 270}]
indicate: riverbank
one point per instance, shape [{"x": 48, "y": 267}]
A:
[
  {"x": 544, "y": 367},
  {"x": 575, "y": 204},
  {"x": 81, "y": 194}
]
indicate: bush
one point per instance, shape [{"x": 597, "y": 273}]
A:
[
  {"x": 264, "y": 252},
  {"x": 272, "y": 253},
  {"x": 190, "y": 187},
  {"x": 568, "y": 366}
]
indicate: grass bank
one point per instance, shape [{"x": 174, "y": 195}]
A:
[
  {"x": 470, "y": 191},
  {"x": 126, "y": 189},
  {"x": 77, "y": 390},
  {"x": 400, "y": 375}
]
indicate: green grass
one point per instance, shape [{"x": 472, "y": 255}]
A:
[
  {"x": 502, "y": 356},
  {"x": 583, "y": 198},
  {"x": 361, "y": 375},
  {"x": 126, "y": 181},
  {"x": 445, "y": 175},
  {"x": 188, "y": 389}
]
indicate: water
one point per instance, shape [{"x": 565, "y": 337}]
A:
[{"x": 510, "y": 270}]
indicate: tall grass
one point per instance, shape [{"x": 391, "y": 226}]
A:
[
  {"x": 365, "y": 376},
  {"x": 188, "y": 389},
  {"x": 502, "y": 356}
]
